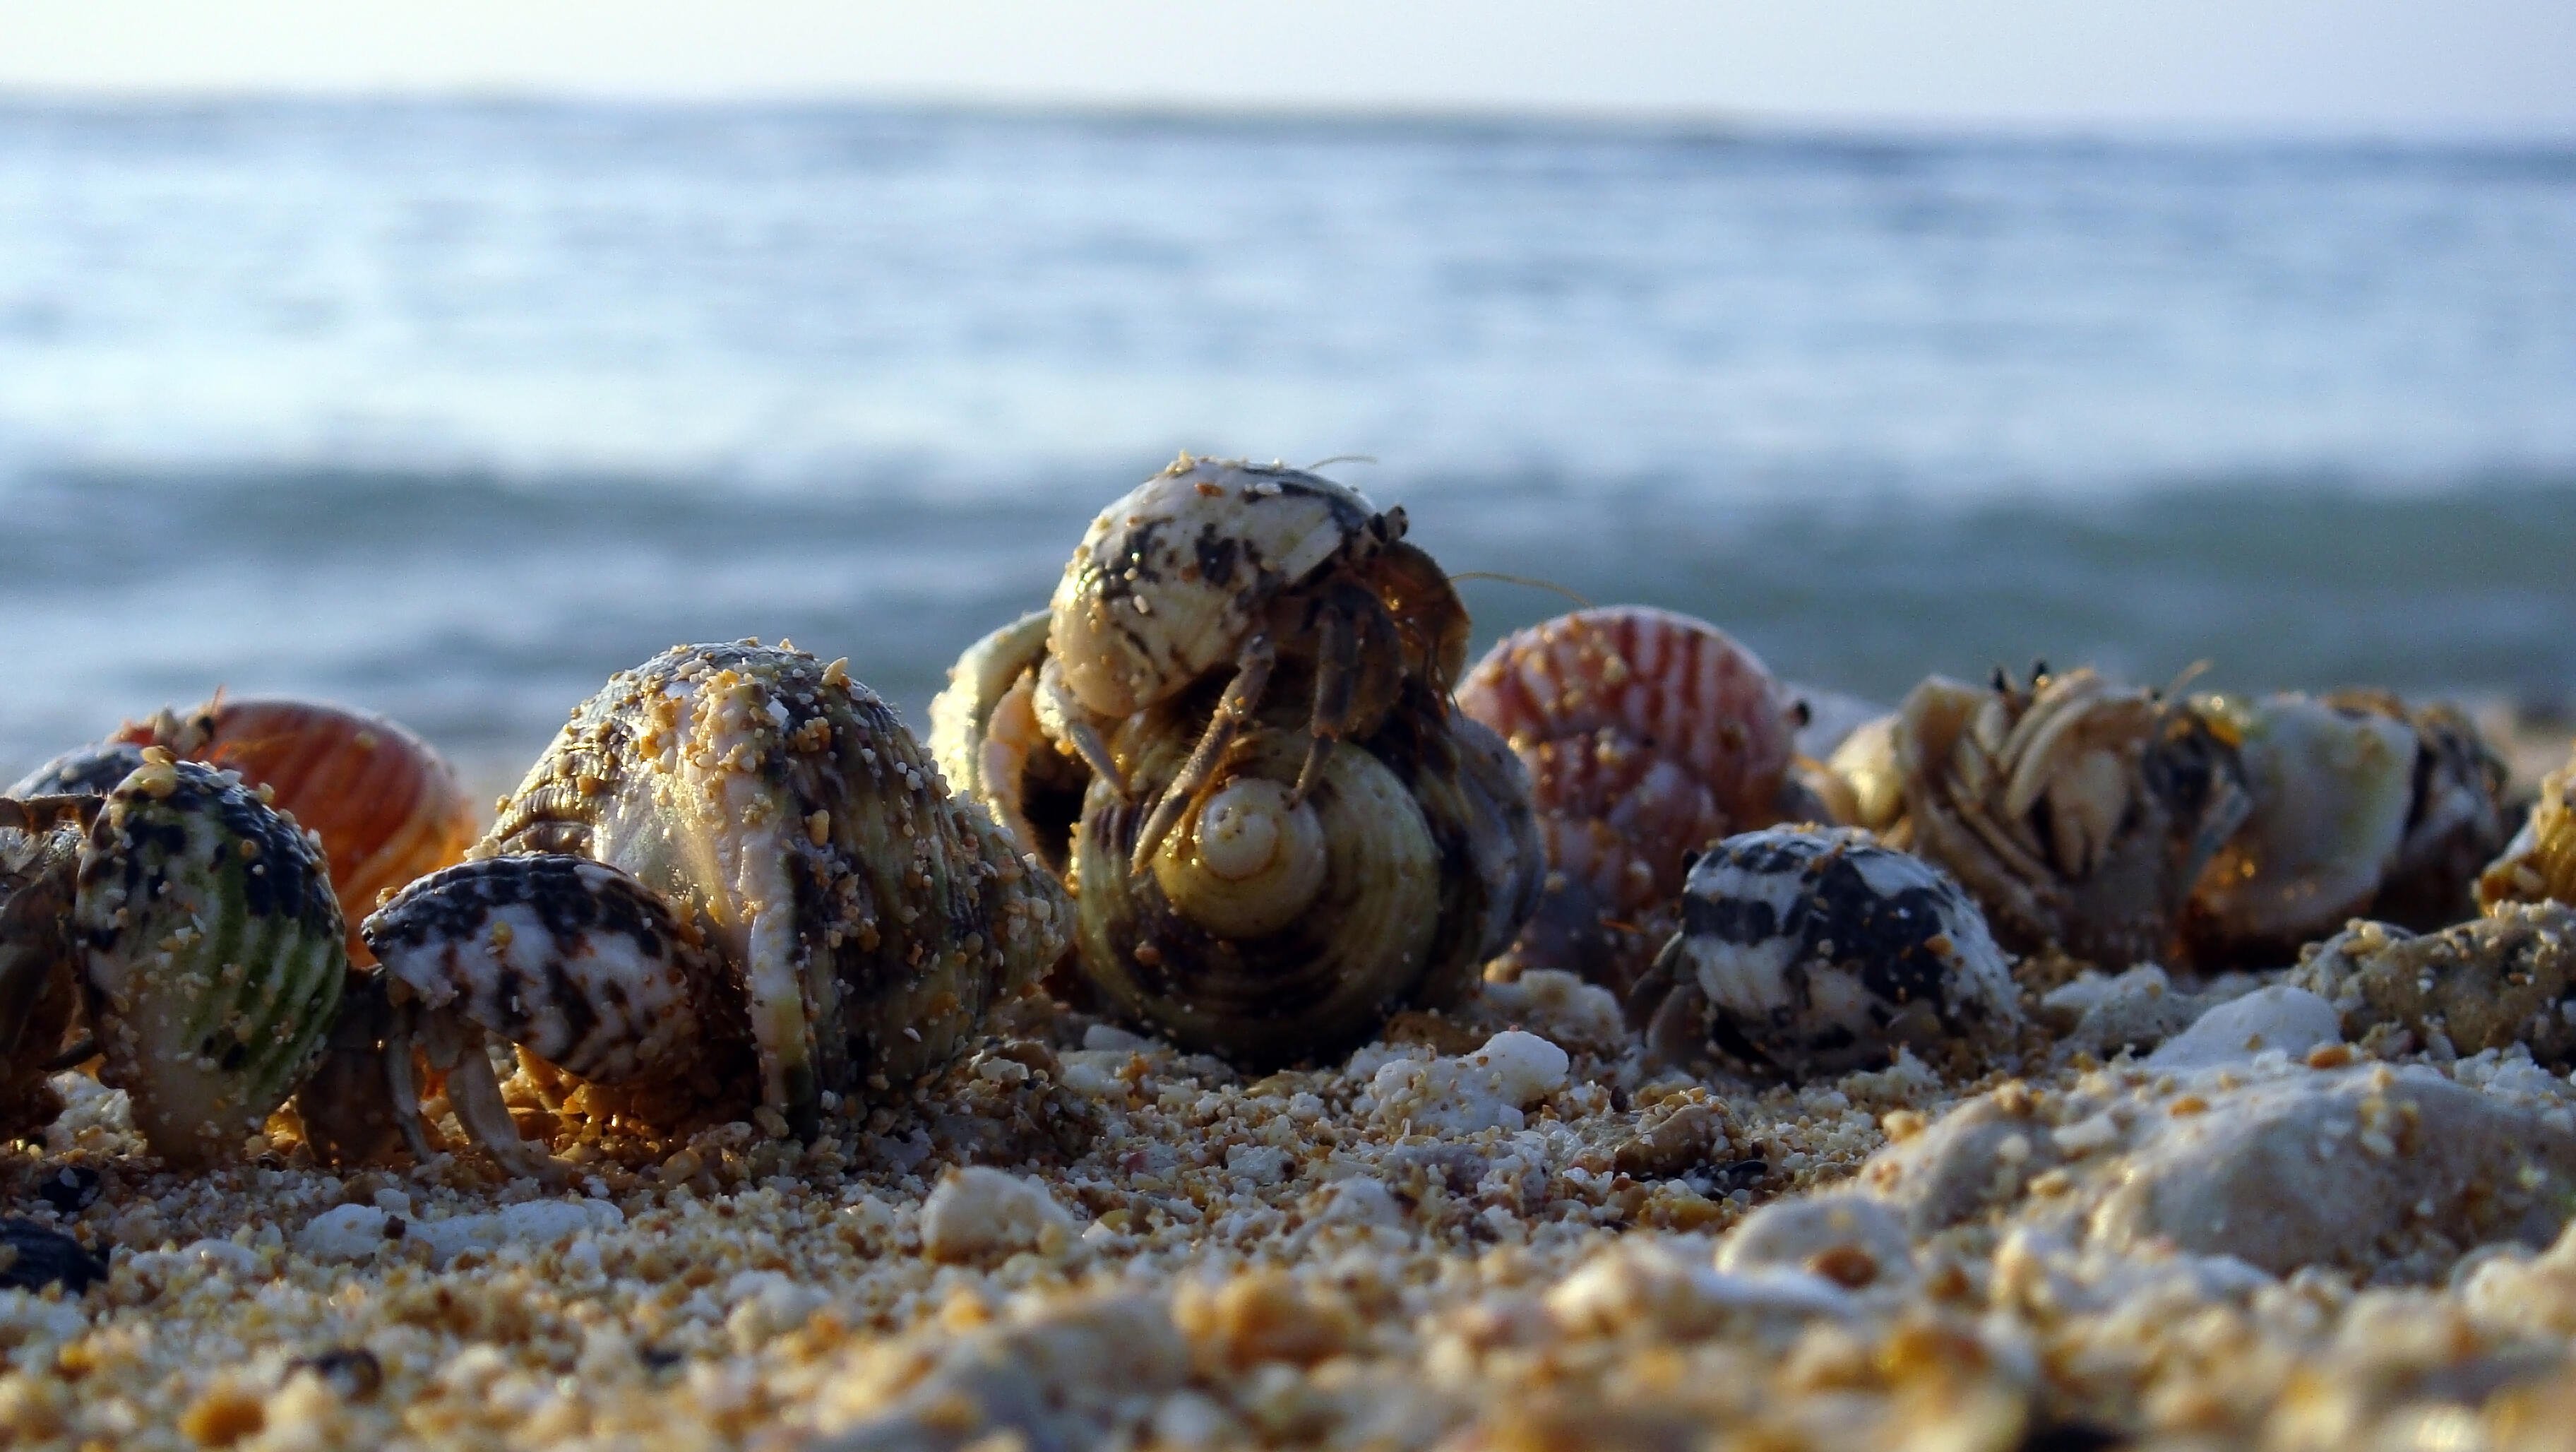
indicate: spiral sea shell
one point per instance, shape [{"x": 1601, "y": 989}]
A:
[
  {"x": 1273, "y": 928},
  {"x": 735, "y": 880},
  {"x": 1807, "y": 951},
  {"x": 1647, "y": 736}
]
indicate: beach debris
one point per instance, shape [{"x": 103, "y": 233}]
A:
[
  {"x": 1807, "y": 951},
  {"x": 1647, "y": 735},
  {"x": 1284, "y": 833},
  {"x": 192, "y": 925},
  {"x": 2491, "y": 983},
  {"x": 2079, "y": 812},
  {"x": 2357, "y": 801},
  {"x": 33, "y": 1257},
  {"x": 733, "y": 886}
]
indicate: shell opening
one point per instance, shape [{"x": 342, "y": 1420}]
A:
[{"x": 1250, "y": 863}]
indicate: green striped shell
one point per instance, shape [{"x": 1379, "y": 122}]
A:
[{"x": 214, "y": 954}]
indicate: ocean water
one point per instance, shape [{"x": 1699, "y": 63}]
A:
[{"x": 453, "y": 409}]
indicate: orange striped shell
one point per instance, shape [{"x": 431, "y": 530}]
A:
[
  {"x": 1648, "y": 735},
  {"x": 387, "y": 806}
]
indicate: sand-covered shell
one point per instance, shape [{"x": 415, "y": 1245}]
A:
[
  {"x": 1272, "y": 928},
  {"x": 1647, "y": 736},
  {"x": 1808, "y": 951},
  {"x": 211, "y": 946},
  {"x": 387, "y": 806},
  {"x": 2359, "y": 804},
  {"x": 857, "y": 921},
  {"x": 2080, "y": 813}
]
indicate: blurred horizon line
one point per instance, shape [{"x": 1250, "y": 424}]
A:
[{"x": 1671, "y": 124}]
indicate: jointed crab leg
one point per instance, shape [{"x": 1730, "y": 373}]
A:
[
  {"x": 1062, "y": 714},
  {"x": 1242, "y": 697},
  {"x": 455, "y": 1046}
]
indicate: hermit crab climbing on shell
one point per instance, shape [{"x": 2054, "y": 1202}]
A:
[
  {"x": 1648, "y": 735},
  {"x": 1232, "y": 735},
  {"x": 191, "y": 925},
  {"x": 733, "y": 885},
  {"x": 1807, "y": 950},
  {"x": 2079, "y": 812}
]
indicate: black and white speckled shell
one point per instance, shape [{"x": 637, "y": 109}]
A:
[
  {"x": 1814, "y": 951},
  {"x": 570, "y": 959}
]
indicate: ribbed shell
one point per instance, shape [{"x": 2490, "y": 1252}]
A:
[
  {"x": 867, "y": 918},
  {"x": 213, "y": 950},
  {"x": 1647, "y": 735},
  {"x": 1819, "y": 951},
  {"x": 387, "y": 805}
]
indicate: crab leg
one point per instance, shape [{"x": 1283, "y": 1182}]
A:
[
  {"x": 1335, "y": 680},
  {"x": 1242, "y": 697},
  {"x": 455, "y": 1045},
  {"x": 399, "y": 1085},
  {"x": 1064, "y": 718}
]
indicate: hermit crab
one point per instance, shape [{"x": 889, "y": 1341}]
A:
[
  {"x": 2359, "y": 803},
  {"x": 2079, "y": 812},
  {"x": 1648, "y": 735},
  {"x": 1232, "y": 736},
  {"x": 1815, "y": 950},
  {"x": 191, "y": 925},
  {"x": 734, "y": 884}
]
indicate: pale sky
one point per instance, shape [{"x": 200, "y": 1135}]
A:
[{"x": 2381, "y": 67}]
